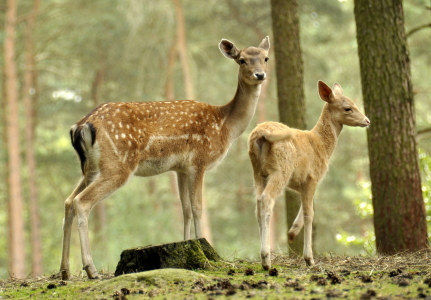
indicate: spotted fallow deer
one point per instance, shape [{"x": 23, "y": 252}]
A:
[
  {"x": 118, "y": 140},
  {"x": 286, "y": 157}
]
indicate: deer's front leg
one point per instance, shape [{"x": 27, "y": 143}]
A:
[
  {"x": 307, "y": 195},
  {"x": 69, "y": 215},
  {"x": 183, "y": 188},
  {"x": 195, "y": 193}
]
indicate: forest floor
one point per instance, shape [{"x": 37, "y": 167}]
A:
[{"x": 402, "y": 276}]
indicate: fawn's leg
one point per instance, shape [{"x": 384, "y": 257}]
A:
[
  {"x": 69, "y": 215},
  {"x": 266, "y": 202},
  {"x": 296, "y": 226},
  {"x": 259, "y": 183},
  {"x": 98, "y": 190},
  {"x": 183, "y": 187},
  {"x": 307, "y": 195}
]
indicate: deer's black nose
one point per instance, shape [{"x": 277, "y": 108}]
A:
[{"x": 260, "y": 76}]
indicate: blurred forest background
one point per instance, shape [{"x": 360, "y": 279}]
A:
[{"x": 89, "y": 52}]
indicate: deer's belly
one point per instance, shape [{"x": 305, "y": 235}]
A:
[{"x": 155, "y": 166}]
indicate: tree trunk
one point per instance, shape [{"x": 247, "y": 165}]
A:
[
  {"x": 182, "y": 50},
  {"x": 29, "y": 100},
  {"x": 399, "y": 212},
  {"x": 15, "y": 205},
  {"x": 100, "y": 218},
  {"x": 189, "y": 90},
  {"x": 290, "y": 85}
]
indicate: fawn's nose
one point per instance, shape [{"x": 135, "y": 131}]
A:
[
  {"x": 260, "y": 76},
  {"x": 367, "y": 121}
]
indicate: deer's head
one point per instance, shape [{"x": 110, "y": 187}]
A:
[
  {"x": 252, "y": 61},
  {"x": 343, "y": 109}
]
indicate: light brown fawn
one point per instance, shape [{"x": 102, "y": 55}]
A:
[
  {"x": 286, "y": 157},
  {"x": 118, "y": 140}
]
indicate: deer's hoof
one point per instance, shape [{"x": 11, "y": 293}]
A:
[
  {"x": 65, "y": 274},
  {"x": 92, "y": 272}
]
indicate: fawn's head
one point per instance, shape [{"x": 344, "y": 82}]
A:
[
  {"x": 343, "y": 109},
  {"x": 252, "y": 61}
]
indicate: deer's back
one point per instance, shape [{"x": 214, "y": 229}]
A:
[
  {"x": 299, "y": 159},
  {"x": 154, "y": 137}
]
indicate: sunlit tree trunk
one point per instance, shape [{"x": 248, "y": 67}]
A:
[
  {"x": 189, "y": 90},
  {"x": 29, "y": 99},
  {"x": 15, "y": 205},
  {"x": 399, "y": 212},
  {"x": 290, "y": 85}
]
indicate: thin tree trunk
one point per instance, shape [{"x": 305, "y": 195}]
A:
[
  {"x": 189, "y": 90},
  {"x": 399, "y": 210},
  {"x": 290, "y": 86},
  {"x": 170, "y": 95},
  {"x": 29, "y": 100},
  {"x": 100, "y": 216},
  {"x": 15, "y": 204},
  {"x": 182, "y": 50}
]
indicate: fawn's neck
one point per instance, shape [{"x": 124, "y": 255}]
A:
[
  {"x": 327, "y": 130},
  {"x": 239, "y": 112}
]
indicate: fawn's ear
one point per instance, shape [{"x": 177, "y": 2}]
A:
[
  {"x": 325, "y": 91},
  {"x": 337, "y": 89},
  {"x": 265, "y": 44},
  {"x": 228, "y": 49}
]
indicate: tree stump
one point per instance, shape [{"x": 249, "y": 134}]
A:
[{"x": 190, "y": 254}]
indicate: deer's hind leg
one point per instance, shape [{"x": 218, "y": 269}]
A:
[
  {"x": 264, "y": 208},
  {"x": 99, "y": 189},
  {"x": 296, "y": 226},
  {"x": 69, "y": 215}
]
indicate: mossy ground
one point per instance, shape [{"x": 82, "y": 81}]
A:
[{"x": 404, "y": 276}]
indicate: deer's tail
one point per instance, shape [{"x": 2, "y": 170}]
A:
[
  {"x": 279, "y": 135},
  {"x": 83, "y": 137}
]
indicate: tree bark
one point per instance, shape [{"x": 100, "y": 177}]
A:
[
  {"x": 290, "y": 85},
  {"x": 399, "y": 212},
  {"x": 29, "y": 100},
  {"x": 15, "y": 205}
]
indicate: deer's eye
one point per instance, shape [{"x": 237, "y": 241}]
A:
[
  {"x": 348, "y": 109},
  {"x": 266, "y": 58},
  {"x": 242, "y": 61}
]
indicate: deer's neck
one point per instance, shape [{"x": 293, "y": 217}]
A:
[
  {"x": 327, "y": 130},
  {"x": 239, "y": 112}
]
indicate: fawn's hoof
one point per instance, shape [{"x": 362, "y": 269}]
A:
[
  {"x": 291, "y": 236},
  {"x": 266, "y": 261},
  {"x": 309, "y": 261}
]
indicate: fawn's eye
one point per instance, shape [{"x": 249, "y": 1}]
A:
[
  {"x": 266, "y": 58},
  {"x": 242, "y": 61},
  {"x": 348, "y": 109}
]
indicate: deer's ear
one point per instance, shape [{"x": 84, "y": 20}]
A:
[
  {"x": 337, "y": 89},
  {"x": 325, "y": 91},
  {"x": 265, "y": 44},
  {"x": 228, "y": 49}
]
